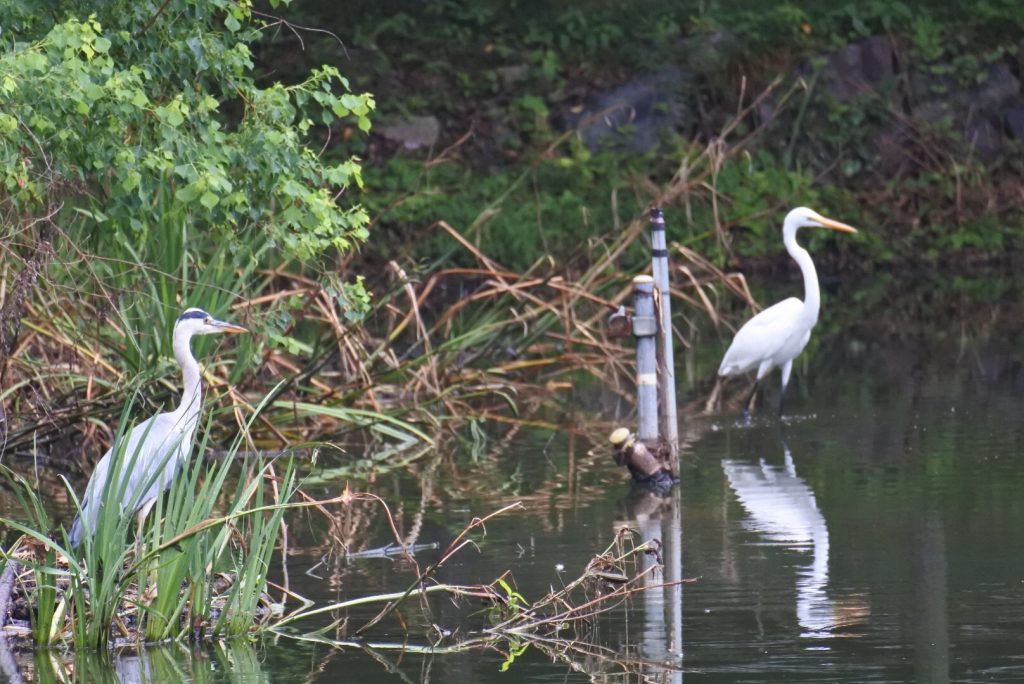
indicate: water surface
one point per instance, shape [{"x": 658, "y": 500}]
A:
[{"x": 874, "y": 535}]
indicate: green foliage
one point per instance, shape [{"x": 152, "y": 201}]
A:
[
  {"x": 986, "y": 233},
  {"x": 763, "y": 26},
  {"x": 754, "y": 185},
  {"x": 107, "y": 116},
  {"x": 786, "y": 25},
  {"x": 190, "y": 502},
  {"x": 174, "y": 175},
  {"x": 261, "y": 528},
  {"x": 519, "y": 216},
  {"x": 511, "y": 77}
]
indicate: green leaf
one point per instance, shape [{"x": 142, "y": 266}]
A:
[
  {"x": 174, "y": 117},
  {"x": 209, "y": 200},
  {"x": 93, "y": 91},
  {"x": 186, "y": 194},
  {"x": 148, "y": 126},
  {"x": 8, "y": 123},
  {"x": 131, "y": 180}
]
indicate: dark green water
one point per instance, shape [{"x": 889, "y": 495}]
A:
[{"x": 875, "y": 535}]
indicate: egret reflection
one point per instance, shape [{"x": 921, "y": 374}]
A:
[{"x": 782, "y": 508}]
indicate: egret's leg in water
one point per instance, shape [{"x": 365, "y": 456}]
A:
[
  {"x": 761, "y": 372},
  {"x": 750, "y": 400},
  {"x": 786, "y": 370}
]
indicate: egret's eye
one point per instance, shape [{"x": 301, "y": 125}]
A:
[{"x": 208, "y": 321}]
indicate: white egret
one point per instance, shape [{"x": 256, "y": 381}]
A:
[
  {"x": 774, "y": 337},
  {"x": 158, "y": 447}
]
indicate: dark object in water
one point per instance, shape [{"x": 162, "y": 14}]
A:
[{"x": 648, "y": 462}]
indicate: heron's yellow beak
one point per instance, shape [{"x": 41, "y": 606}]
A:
[
  {"x": 225, "y": 327},
  {"x": 835, "y": 225}
]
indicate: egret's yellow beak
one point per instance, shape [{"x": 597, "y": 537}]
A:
[
  {"x": 225, "y": 327},
  {"x": 835, "y": 225}
]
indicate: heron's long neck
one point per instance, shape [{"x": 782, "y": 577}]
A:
[
  {"x": 192, "y": 396},
  {"x": 812, "y": 298}
]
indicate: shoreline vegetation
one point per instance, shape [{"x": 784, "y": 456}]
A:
[
  {"x": 197, "y": 574},
  {"x": 535, "y": 131},
  {"x": 422, "y": 246},
  {"x": 97, "y": 274}
]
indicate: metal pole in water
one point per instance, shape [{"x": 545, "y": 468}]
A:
[
  {"x": 666, "y": 357},
  {"x": 645, "y": 327}
]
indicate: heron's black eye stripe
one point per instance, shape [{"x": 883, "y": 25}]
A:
[{"x": 193, "y": 314}]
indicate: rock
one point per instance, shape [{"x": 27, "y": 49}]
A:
[
  {"x": 932, "y": 111},
  {"x": 984, "y": 138},
  {"x": 1000, "y": 86},
  {"x": 412, "y": 133},
  {"x": 980, "y": 108},
  {"x": 878, "y": 59},
  {"x": 890, "y": 147},
  {"x": 859, "y": 67},
  {"x": 631, "y": 116},
  {"x": 705, "y": 53},
  {"x": 1015, "y": 122},
  {"x": 513, "y": 74}
]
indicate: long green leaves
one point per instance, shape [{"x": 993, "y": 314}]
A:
[
  {"x": 107, "y": 519},
  {"x": 44, "y": 612},
  {"x": 165, "y": 579},
  {"x": 260, "y": 530},
  {"x": 385, "y": 425}
]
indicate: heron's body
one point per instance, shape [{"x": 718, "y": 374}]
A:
[
  {"x": 158, "y": 447},
  {"x": 777, "y": 335},
  {"x": 168, "y": 438}
]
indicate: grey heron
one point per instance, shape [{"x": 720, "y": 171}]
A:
[
  {"x": 777, "y": 335},
  {"x": 156, "y": 449}
]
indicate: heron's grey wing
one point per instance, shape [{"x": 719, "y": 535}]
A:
[
  {"x": 151, "y": 456},
  {"x": 160, "y": 457},
  {"x": 98, "y": 488}
]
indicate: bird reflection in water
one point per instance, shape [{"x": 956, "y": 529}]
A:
[
  {"x": 237, "y": 660},
  {"x": 782, "y": 508}
]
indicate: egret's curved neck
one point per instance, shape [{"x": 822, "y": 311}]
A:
[
  {"x": 812, "y": 298},
  {"x": 192, "y": 396}
]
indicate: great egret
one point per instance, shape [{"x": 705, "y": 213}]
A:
[
  {"x": 158, "y": 447},
  {"x": 774, "y": 337}
]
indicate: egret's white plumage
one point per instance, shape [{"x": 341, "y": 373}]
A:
[
  {"x": 774, "y": 337},
  {"x": 156, "y": 448}
]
